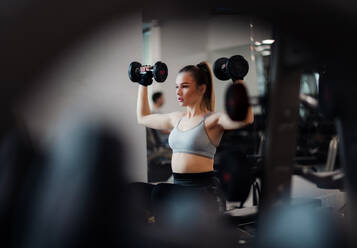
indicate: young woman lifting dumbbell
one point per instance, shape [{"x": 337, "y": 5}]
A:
[{"x": 195, "y": 134}]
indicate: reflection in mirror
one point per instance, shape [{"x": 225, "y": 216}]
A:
[
  {"x": 179, "y": 41},
  {"x": 238, "y": 162},
  {"x": 317, "y": 143},
  {"x": 239, "y": 158}
]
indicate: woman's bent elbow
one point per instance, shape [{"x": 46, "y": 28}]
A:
[
  {"x": 139, "y": 121},
  {"x": 249, "y": 120}
]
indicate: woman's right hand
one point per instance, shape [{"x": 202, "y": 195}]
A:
[{"x": 146, "y": 79}]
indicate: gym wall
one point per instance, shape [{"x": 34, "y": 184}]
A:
[
  {"x": 189, "y": 40},
  {"x": 91, "y": 81}
]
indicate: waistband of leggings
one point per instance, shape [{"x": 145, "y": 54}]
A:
[{"x": 201, "y": 175}]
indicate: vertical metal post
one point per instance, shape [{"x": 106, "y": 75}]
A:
[{"x": 282, "y": 124}]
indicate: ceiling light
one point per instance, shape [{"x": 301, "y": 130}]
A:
[
  {"x": 262, "y": 48},
  {"x": 265, "y": 53},
  {"x": 268, "y": 41}
]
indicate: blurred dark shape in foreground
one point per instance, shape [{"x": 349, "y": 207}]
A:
[
  {"x": 70, "y": 196},
  {"x": 18, "y": 171},
  {"x": 74, "y": 194},
  {"x": 78, "y": 201}
]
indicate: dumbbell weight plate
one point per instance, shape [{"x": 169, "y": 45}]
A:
[
  {"x": 237, "y": 102},
  {"x": 160, "y": 72},
  {"x": 219, "y": 69},
  {"x": 237, "y": 67},
  {"x": 134, "y": 71}
]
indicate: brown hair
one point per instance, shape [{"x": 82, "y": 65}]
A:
[{"x": 202, "y": 74}]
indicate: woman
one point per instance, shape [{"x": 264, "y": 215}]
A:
[{"x": 195, "y": 133}]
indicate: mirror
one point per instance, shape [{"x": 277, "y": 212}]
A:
[{"x": 183, "y": 40}]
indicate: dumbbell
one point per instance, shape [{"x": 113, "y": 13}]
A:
[
  {"x": 159, "y": 71},
  {"x": 237, "y": 102},
  {"x": 236, "y": 98},
  {"x": 236, "y": 67}
]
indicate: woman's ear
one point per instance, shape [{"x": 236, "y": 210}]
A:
[{"x": 202, "y": 89}]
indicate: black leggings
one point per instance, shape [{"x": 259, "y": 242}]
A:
[{"x": 193, "y": 196}]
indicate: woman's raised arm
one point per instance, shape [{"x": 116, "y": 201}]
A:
[
  {"x": 227, "y": 124},
  {"x": 146, "y": 118}
]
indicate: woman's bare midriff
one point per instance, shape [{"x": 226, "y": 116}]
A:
[{"x": 190, "y": 163}]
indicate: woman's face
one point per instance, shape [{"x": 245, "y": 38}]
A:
[{"x": 187, "y": 91}]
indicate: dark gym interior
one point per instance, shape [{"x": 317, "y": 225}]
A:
[{"x": 69, "y": 141}]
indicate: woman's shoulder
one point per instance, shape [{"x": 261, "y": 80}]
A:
[
  {"x": 176, "y": 116},
  {"x": 213, "y": 115},
  {"x": 212, "y": 119}
]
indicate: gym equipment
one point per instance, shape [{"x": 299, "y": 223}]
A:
[
  {"x": 235, "y": 176},
  {"x": 158, "y": 157},
  {"x": 236, "y": 99},
  {"x": 159, "y": 71},
  {"x": 329, "y": 104},
  {"x": 236, "y": 67},
  {"x": 237, "y": 102}
]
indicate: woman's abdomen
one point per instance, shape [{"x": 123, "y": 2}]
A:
[{"x": 190, "y": 163}]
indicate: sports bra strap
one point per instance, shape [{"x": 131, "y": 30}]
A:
[
  {"x": 206, "y": 115},
  {"x": 179, "y": 122},
  {"x": 204, "y": 118}
]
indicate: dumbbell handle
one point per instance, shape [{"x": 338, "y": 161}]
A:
[{"x": 146, "y": 68}]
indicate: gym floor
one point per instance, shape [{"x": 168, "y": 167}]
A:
[{"x": 302, "y": 192}]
